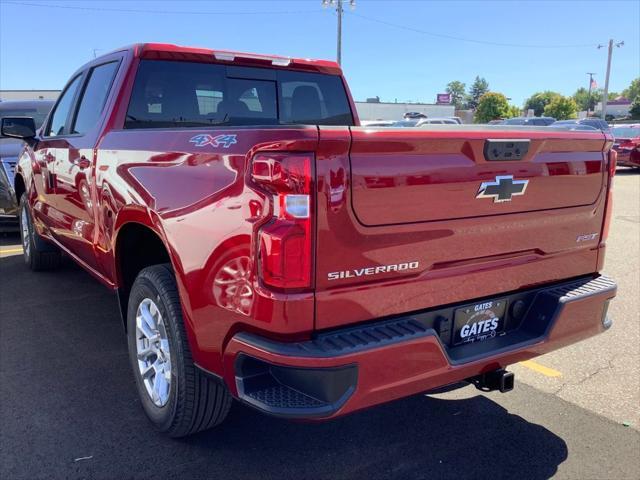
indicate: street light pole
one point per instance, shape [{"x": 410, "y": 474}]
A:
[
  {"x": 339, "y": 12},
  {"x": 591, "y": 74},
  {"x": 339, "y": 48},
  {"x": 605, "y": 94}
]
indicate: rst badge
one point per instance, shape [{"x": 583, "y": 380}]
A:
[
  {"x": 204, "y": 139},
  {"x": 502, "y": 189}
]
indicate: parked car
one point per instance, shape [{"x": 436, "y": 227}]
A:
[
  {"x": 532, "y": 121},
  {"x": 9, "y": 151},
  {"x": 265, "y": 247},
  {"x": 627, "y": 144},
  {"x": 572, "y": 126},
  {"x": 436, "y": 121},
  {"x": 404, "y": 123},
  {"x": 414, "y": 115},
  {"x": 596, "y": 123},
  {"x": 378, "y": 123}
]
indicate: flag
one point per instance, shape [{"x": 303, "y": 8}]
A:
[{"x": 594, "y": 84}]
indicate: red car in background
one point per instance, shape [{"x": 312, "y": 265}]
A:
[{"x": 627, "y": 144}]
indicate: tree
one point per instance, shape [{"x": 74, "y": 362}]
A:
[
  {"x": 491, "y": 106},
  {"x": 457, "y": 91},
  {"x": 633, "y": 91},
  {"x": 478, "y": 89},
  {"x": 612, "y": 95},
  {"x": 539, "y": 100},
  {"x": 561, "y": 108},
  {"x": 513, "y": 111},
  {"x": 634, "y": 111},
  {"x": 584, "y": 101}
]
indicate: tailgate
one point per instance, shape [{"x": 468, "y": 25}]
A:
[
  {"x": 404, "y": 176},
  {"x": 410, "y": 219}
]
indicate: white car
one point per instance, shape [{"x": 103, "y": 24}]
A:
[{"x": 436, "y": 121}]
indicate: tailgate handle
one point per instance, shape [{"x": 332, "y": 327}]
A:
[{"x": 505, "y": 150}]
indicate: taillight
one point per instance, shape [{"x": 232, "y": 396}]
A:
[
  {"x": 613, "y": 160},
  {"x": 285, "y": 242}
]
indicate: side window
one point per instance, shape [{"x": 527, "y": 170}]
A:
[
  {"x": 61, "y": 112},
  {"x": 94, "y": 97}
]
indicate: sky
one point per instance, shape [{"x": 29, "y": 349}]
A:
[{"x": 397, "y": 50}]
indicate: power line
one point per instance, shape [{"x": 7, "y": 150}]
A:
[
  {"x": 463, "y": 39},
  {"x": 148, "y": 11}
]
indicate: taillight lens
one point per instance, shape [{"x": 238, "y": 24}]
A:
[
  {"x": 613, "y": 161},
  {"x": 285, "y": 242}
]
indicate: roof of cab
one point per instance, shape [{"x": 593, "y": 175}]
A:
[{"x": 168, "y": 51}]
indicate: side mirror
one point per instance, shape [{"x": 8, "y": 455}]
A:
[{"x": 23, "y": 128}]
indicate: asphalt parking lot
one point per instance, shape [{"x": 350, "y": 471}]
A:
[{"x": 68, "y": 407}]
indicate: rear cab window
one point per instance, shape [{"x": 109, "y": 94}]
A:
[{"x": 170, "y": 94}]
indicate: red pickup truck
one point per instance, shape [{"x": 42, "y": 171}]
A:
[{"x": 265, "y": 247}]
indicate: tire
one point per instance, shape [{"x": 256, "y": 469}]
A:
[
  {"x": 38, "y": 254},
  {"x": 192, "y": 401}
]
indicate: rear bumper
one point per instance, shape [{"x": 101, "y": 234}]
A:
[{"x": 348, "y": 369}]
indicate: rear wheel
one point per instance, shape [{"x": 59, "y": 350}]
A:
[
  {"x": 176, "y": 396},
  {"x": 38, "y": 254}
]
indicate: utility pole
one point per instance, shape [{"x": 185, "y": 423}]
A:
[
  {"x": 605, "y": 95},
  {"x": 339, "y": 12},
  {"x": 591, "y": 74}
]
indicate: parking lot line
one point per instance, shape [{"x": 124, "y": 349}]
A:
[
  {"x": 11, "y": 250},
  {"x": 536, "y": 367}
]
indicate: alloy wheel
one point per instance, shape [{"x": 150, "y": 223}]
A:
[{"x": 153, "y": 352}]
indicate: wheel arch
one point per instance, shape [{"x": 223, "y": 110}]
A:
[
  {"x": 139, "y": 242},
  {"x": 19, "y": 186}
]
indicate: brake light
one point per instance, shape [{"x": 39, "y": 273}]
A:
[
  {"x": 613, "y": 159},
  {"x": 285, "y": 243}
]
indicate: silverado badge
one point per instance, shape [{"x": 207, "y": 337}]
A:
[{"x": 502, "y": 189}]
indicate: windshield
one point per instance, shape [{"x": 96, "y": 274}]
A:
[
  {"x": 184, "y": 94},
  {"x": 37, "y": 116},
  {"x": 626, "y": 132}
]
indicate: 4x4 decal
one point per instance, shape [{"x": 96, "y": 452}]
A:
[{"x": 224, "y": 141}]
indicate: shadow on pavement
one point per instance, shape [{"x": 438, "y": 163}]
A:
[
  {"x": 67, "y": 393},
  {"x": 627, "y": 171}
]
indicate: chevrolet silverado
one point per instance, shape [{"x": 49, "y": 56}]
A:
[{"x": 265, "y": 247}]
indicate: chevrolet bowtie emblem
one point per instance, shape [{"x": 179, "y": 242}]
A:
[{"x": 502, "y": 189}]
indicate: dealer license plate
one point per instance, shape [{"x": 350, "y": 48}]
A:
[{"x": 479, "y": 322}]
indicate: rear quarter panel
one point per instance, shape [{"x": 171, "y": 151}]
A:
[{"x": 196, "y": 199}]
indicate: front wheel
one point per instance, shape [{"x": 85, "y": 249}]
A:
[
  {"x": 176, "y": 396},
  {"x": 38, "y": 254}
]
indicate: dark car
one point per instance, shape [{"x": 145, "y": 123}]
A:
[
  {"x": 530, "y": 121},
  {"x": 627, "y": 144},
  {"x": 9, "y": 151},
  {"x": 596, "y": 123}
]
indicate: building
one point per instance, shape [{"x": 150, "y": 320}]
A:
[
  {"x": 372, "y": 109},
  {"x": 7, "y": 95},
  {"x": 618, "y": 108},
  {"x": 395, "y": 111}
]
